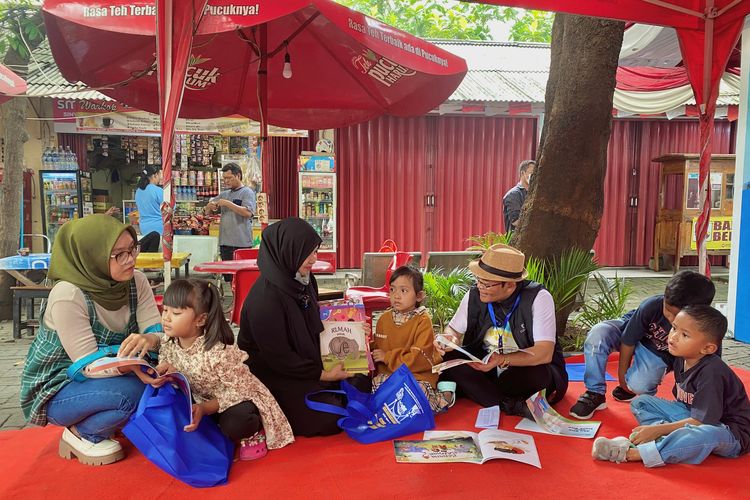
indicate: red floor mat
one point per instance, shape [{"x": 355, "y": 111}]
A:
[{"x": 337, "y": 467}]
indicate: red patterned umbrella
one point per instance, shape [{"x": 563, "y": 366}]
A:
[{"x": 308, "y": 64}]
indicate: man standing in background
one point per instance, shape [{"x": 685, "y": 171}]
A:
[
  {"x": 516, "y": 196},
  {"x": 237, "y": 205}
]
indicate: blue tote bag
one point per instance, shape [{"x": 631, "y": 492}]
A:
[
  {"x": 200, "y": 458},
  {"x": 397, "y": 408}
]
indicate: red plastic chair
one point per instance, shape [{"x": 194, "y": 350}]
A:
[
  {"x": 241, "y": 284},
  {"x": 246, "y": 253},
  {"x": 159, "y": 303},
  {"x": 377, "y": 299}
]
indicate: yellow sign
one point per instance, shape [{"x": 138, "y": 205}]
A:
[{"x": 719, "y": 235}]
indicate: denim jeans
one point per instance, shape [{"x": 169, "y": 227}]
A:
[
  {"x": 645, "y": 372},
  {"x": 96, "y": 406},
  {"x": 687, "y": 445}
]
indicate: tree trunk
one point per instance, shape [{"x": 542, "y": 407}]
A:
[
  {"x": 566, "y": 197},
  {"x": 11, "y": 191}
]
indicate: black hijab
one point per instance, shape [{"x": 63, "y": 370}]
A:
[{"x": 284, "y": 247}]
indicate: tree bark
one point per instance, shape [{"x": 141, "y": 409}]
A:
[
  {"x": 566, "y": 196},
  {"x": 11, "y": 191}
]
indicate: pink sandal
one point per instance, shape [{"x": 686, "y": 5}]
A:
[{"x": 253, "y": 447}]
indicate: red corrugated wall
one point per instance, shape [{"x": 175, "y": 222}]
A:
[
  {"x": 283, "y": 153},
  {"x": 388, "y": 166},
  {"x": 381, "y": 185},
  {"x": 610, "y": 246},
  {"x": 634, "y": 143},
  {"x": 477, "y": 162}
]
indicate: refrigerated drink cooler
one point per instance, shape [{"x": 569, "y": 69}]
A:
[
  {"x": 66, "y": 195},
  {"x": 317, "y": 199}
]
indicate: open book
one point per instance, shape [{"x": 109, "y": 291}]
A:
[
  {"x": 175, "y": 378},
  {"x": 470, "y": 447},
  {"x": 471, "y": 358},
  {"x": 548, "y": 421}
]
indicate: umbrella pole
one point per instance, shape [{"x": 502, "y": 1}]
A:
[
  {"x": 263, "y": 105},
  {"x": 707, "y": 112}
]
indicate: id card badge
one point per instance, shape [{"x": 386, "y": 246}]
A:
[
  {"x": 493, "y": 339},
  {"x": 508, "y": 343}
]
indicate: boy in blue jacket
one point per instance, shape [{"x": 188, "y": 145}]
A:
[{"x": 641, "y": 338}]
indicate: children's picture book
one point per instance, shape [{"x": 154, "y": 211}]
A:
[
  {"x": 344, "y": 341},
  {"x": 175, "y": 378},
  {"x": 548, "y": 421},
  {"x": 464, "y": 446},
  {"x": 445, "y": 365},
  {"x": 344, "y": 336},
  {"x": 342, "y": 310},
  {"x": 108, "y": 362}
]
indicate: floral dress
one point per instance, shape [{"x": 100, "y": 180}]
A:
[{"x": 221, "y": 373}]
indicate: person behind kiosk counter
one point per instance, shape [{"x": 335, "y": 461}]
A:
[
  {"x": 506, "y": 310},
  {"x": 148, "y": 198},
  {"x": 237, "y": 205},
  {"x": 710, "y": 413},
  {"x": 98, "y": 302}
]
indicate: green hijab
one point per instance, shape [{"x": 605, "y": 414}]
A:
[{"x": 81, "y": 255}]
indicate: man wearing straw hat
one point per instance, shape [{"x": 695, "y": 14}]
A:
[{"x": 506, "y": 312}]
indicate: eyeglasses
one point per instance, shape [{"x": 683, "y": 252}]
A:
[
  {"x": 485, "y": 285},
  {"x": 122, "y": 257}
]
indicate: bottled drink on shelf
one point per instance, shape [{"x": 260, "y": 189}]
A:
[{"x": 54, "y": 158}]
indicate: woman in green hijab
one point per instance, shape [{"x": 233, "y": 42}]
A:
[{"x": 98, "y": 300}]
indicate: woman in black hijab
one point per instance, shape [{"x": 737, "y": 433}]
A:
[{"x": 280, "y": 326}]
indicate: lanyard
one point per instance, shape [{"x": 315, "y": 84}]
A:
[{"x": 507, "y": 316}]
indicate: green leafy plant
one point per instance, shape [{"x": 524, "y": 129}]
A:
[
  {"x": 567, "y": 275},
  {"x": 573, "y": 338},
  {"x": 536, "y": 270},
  {"x": 444, "y": 293},
  {"x": 483, "y": 242},
  {"x": 607, "y": 303}
]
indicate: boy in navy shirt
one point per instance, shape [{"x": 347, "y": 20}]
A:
[
  {"x": 711, "y": 413},
  {"x": 641, "y": 338}
]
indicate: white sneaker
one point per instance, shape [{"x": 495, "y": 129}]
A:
[
  {"x": 614, "y": 450},
  {"x": 107, "y": 451}
]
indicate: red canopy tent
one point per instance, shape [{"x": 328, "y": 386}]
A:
[
  {"x": 224, "y": 57},
  {"x": 10, "y": 84},
  {"x": 707, "y": 30}
]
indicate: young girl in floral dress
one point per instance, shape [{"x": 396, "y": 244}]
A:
[{"x": 201, "y": 346}]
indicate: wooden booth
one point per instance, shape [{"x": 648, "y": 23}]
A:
[{"x": 679, "y": 207}]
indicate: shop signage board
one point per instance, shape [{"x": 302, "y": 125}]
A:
[
  {"x": 90, "y": 116},
  {"x": 719, "y": 235}
]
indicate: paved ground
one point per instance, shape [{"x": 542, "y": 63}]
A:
[{"x": 644, "y": 284}]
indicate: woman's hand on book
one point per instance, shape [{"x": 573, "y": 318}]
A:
[
  {"x": 334, "y": 374},
  {"x": 138, "y": 344}
]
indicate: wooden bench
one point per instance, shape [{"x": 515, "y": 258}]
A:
[
  {"x": 375, "y": 264},
  {"x": 448, "y": 261},
  {"x": 29, "y": 293}
]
